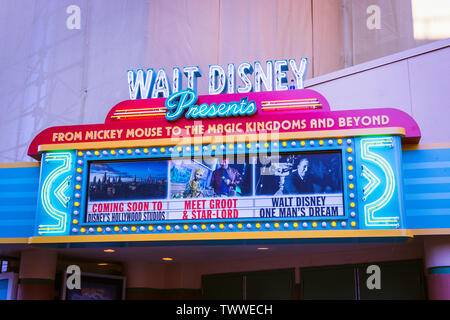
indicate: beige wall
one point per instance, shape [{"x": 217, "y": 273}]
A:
[
  {"x": 38, "y": 264},
  {"x": 52, "y": 75}
]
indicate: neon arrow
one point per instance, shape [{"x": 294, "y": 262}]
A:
[
  {"x": 49, "y": 208},
  {"x": 371, "y": 208},
  {"x": 373, "y": 182},
  {"x": 60, "y": 191}
]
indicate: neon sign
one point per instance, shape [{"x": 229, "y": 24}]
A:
[
  {"x": 56, "y": 210},
  {"x": 178, "y": 102},
  {"x": 150, "y": 84},
  {"x": 386, "y": 194}
]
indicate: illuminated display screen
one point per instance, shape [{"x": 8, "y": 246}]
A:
[{"x": 297, "y": 185}]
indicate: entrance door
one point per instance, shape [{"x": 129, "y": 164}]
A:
[
  {"x": 258, "y": 285},
  {"x": 227, "y": 286},
  {"x": 328, "y": 283},
  {"x": 397, "y": 280}
]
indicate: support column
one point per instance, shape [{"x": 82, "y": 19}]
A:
[
  {"x": 437, "y": 261},
  {"x": 37, "y": 275}
]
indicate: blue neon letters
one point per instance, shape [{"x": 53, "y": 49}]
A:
[
  {"x": 150, "y": 84},
  {"x": 184, "y": 101}
]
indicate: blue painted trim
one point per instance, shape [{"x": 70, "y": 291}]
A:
[
  {"x": 439, "y": 270},
  {"x": 426, "y": 181}
]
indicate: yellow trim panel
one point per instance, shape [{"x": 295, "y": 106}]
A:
[
  {"x": 408, "y": 233},
  {"x": 19, "y": 165},
  {"x": 224, "y": 236}
]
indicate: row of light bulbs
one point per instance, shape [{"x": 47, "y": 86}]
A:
[
  {"x": 204, "y": 227},
  {"x": 180, "y": 149}
]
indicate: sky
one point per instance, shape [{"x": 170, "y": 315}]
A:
[{"x": 128, "y": 169}]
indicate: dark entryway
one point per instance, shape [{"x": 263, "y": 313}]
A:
[
  {"x": 258, "y": 285},
  {"x": 399, "y": 280}
]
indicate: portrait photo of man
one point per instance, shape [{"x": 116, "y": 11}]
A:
[{"x": 300, "y": 180}]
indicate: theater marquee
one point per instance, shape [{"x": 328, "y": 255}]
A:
[{"x": 240, "y": 165}]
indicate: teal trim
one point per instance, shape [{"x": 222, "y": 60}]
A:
[
  {"x": 418, "y": 188},
  {"x": 426, "y": 181},
  {"x": 428, "y": 196},
  {"x": 427, "y": 165},
  {"x": 20, "y": 187},
  {"x": 18, "y": 201},
  {"x": 16, "y": 194},
  {"x": 11, "y": 211},
  {"x": 439, "y": 270},
  {"x": 18, "y": 180},
  {"x": 17, "y": 222},
  {"x": 24, "y": 201},
  {"x": 429, "y": 212},
  {"x": 4, "y": 289},
  {"x": 432, "y": 180}
]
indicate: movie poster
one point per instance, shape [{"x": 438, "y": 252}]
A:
[
  {"x": 216, "y": 178},
  {"x": 288, "y": 185},
  {"x": 97, "y": 288},
  {"x": 300, "y": 185},
  {"x": 127, "y": 191}
]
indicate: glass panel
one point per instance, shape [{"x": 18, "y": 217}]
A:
[
  {"x": 324, "y": 283},
  {"x": 398, "y": 280},
  {"x": 273, "y": 284},
  {"x": 222, "y": 286}
]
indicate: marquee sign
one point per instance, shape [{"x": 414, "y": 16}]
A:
[
  {"x": 216, "y": 188},
  {"x": 243, "y": 162}
]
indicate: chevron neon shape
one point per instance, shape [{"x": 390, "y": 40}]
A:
[
  {"x": 371, "y": 208},
  {"x": 59, "y": 216},
  {"x": 61, "y": 189},
  {"x": 374, "y": 182}
]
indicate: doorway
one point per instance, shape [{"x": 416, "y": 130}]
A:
[
  {"x": 397, "y": 280},
  {"x": 257, "y": 285}
]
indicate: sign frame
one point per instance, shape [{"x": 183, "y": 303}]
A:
[{"x": 314, "y": 146}]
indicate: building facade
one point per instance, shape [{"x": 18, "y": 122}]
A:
[{"x": 59, "y": 190}]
